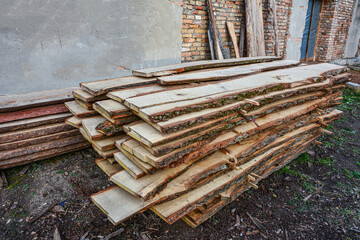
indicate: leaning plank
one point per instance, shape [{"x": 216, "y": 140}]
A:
[
  {"x": 32, "y": 113},
  {"x": 240, "y": 88},
  {"x": 33, "y": 122},
  {"x": 89, "y": 124},
  {"x": 78, "y": 110},
  {"x": 215, "y": 75},
  {"x": 128, "y": 165},
  {"x": 167, "y": 111},
  {"x": 87, "y": 97},
  {"x": 231, "y": 30},
  {"x": 10, "y": 103},
  {"x": 37, "y": 140},
  {"x": 189, "y": 66},
  {"x": 40, "y": 147},
  {"x": 214, "y": 32},
  {"x": 107, "y": 167},
  {"x": 42, "y": 155},
  {"x": 102, "y": 87},
  {"x": 254, "y": 28},
  {"x": 34, "y": 132}
]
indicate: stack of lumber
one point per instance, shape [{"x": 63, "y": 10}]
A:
[
  {"x": 32, "y": 127},
  {"x": 205, "y": 131}
]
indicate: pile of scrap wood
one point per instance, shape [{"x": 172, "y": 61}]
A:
[
  {"x": 185, "y": 140},
  {"x": 32, "y": 127}
]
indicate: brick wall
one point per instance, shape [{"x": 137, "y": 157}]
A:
[
  {"x": 195, "y": 25},
  {"x": 333, "y": 29}
]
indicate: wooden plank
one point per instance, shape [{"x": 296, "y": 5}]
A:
[
  {"x": 119, "y": 204},
  {"x": 186, "y": 153},
  {"x": 147, "y": 187},
  {"x": 112, "y": 109},
  {"x": 74, "y": 121},
  {"x": 275, "y": 27},
  {"x": 190, "y": 119},
  {"x": 87, "y": 97},
  {"x": 42, "y": 155},
  {"x": 174, "y": 209},
  {"x": 123, "y": 94},
  {"x": 254, "y": 28},
  {"x": 197, "y": 65},
  {"x": 33, "y": 122},
  {"x": 227, "y": 73},
  {"x": 151, "y": 137},
  {"x": 106, "y": 153},
  {"x": 4, "y": 155},
  {"x": 34, "y": 132},
  {"x": 16, "y": 102},
  {"x": 37, "y": 140},
  {"x": 147, "y": 168},
  {"x": 128, "y": 165},
  {"x": 89, "y": 125},
  {"x": 78, "y": 110},
  {"x": 214, "y": 32},
  {"x": 85, "y": 105},
  {"x": 242, "y": 39},
  {"x": 107, "y": 167},
  {"x": 107, "y": 143},
  {"x": 231, "y": 29},
  {"x": 108, "y": 128},
  {"x": 276, "y": 80},
  {"x": 97, "y": 88},
  {"x": 32, "y": 113}
]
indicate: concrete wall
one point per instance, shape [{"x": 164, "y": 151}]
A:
[
  {"x": 296, "y": 29},
  {"x": 354, "y": 32},
  {"x": 49, "y": 44}
]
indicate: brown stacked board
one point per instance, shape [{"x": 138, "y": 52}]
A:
[
  {"x": 196, "y": 145},
  {"x": 32, "y": 127}
]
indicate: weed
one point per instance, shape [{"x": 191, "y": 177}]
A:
[
  {"x": 74, "y": 174},
  {"x": 60, "y": 171}
]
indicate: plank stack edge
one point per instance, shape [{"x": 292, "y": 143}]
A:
[
  {"x": 185, "y": 140},
  {"x": 32, "y": 127}
]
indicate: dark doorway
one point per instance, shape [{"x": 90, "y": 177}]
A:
[{"x": 311, "y": 30}]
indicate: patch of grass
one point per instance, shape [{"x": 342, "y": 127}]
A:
[
  {"x": 74, "y": 174},
  {"x": 304, "y": 159},
  {"x": 355, "y": 174},
  {"x": 60, "y": 171},
  {"x": 329, "y": 162},
  {"x": 351, "y": 100},
  {"x": 358, "y": 163}
]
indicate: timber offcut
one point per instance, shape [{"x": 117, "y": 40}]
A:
[{"x": 185, "y": 140}]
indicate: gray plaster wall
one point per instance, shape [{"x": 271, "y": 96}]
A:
[
  {"x": 296, "y": 29},
  {"x": 354, "y": 32},
  {"x": 50, "y": 44}
]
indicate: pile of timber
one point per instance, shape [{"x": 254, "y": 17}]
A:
[
  {"x": 185, "y": 140},
  {"x": 32, "y": 127}
]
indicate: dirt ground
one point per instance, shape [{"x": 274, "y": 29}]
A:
[{"x": 315, "y": 197}]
